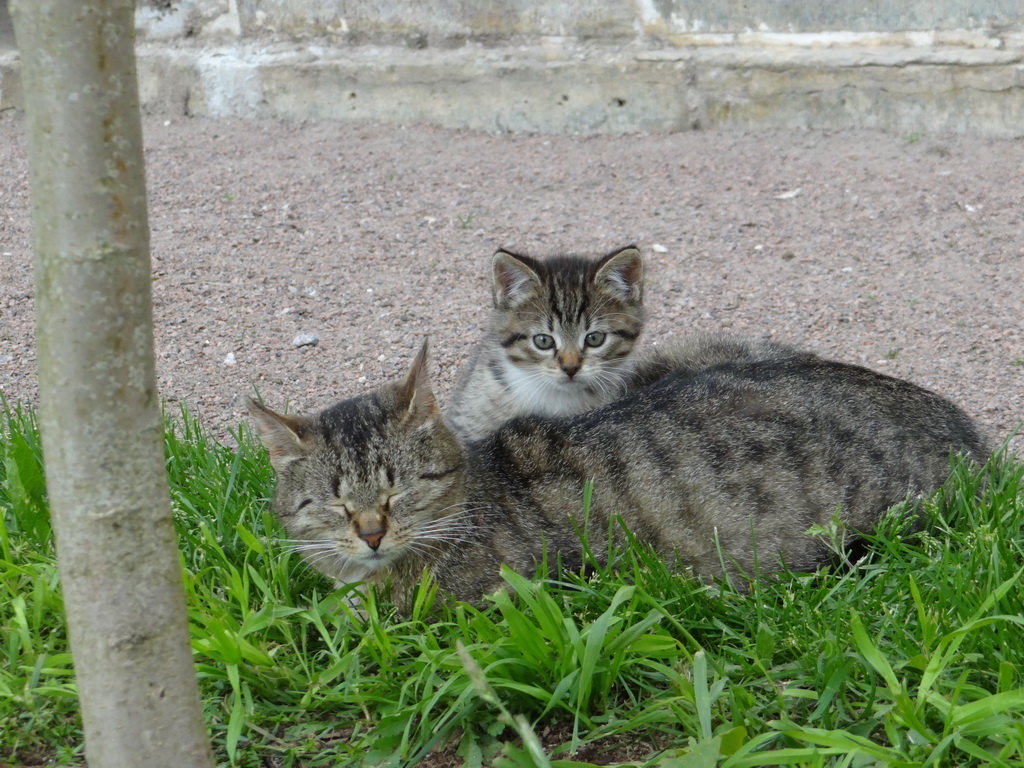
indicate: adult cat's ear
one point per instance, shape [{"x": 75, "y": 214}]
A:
[
  {"x": 414, "y": 394},
  {"x": 283, "y": 436},
  {"x": 515, "y": 279},
  {"x": 621, "y": 273}
]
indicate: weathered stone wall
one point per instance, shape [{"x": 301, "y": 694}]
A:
[
  {"x": 587, "y": 66},
  {"x": 680, "y": 22}
]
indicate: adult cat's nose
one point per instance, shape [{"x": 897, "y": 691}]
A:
[
  {"x": 372, "y": 538},
  {"x": 371, "y": 529}
]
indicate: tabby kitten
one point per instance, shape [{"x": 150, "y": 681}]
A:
[
  {"x": 723, "y": 470},
  {"x": 560, "y": 343}
]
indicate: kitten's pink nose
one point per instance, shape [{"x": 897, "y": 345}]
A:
[
  {"x": 570, "y": 361},
  {"x": 372, "y": 538}
]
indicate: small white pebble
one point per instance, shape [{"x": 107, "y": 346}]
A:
[
  {"x": 305, "y": 340},
  {"x": 790, "y": 194},
  {"x": 659, "y": 248},
  {"x": 229, "y": 359}
]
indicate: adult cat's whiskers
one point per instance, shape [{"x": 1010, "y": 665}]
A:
[
  {"x": 423, "y": 548},
  {"x": 459, "y": 527},
  {"x": 303, "y": 546},
  {"x": 446, "y": 535},
  {"x": 322, "y": 557},
  {"x": 466, "y": 510},
  {"x": 315, "y": 552}
]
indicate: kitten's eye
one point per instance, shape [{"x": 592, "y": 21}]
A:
[
  {"x": 543, "y": 341},
  {"x": 303, "y": 503},
  {"x": 594, "y": 338}
]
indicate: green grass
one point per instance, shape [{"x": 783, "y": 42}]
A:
[{"x": 913, "y": 656}]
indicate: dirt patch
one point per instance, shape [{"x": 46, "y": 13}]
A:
[{"x": 904, "y": 254}]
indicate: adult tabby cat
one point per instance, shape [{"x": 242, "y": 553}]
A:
[
  {"x": 562, "y": 333},
  {"x": 723, "y": 470}
]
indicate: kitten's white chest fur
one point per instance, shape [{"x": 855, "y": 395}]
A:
[
  {"x": 495, "y": 390},
  {"x": 552, "y": 393}
]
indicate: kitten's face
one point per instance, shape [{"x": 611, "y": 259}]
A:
[
  {"x": 568, "y": 324},
  {"x": 366, "y": 484}
]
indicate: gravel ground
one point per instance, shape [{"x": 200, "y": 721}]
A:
[{"x": 904, "y": 254}]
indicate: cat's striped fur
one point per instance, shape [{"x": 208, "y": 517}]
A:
[{"x": 722, "y": 468}]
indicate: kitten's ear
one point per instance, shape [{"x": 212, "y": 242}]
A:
[
  {"x": 621, "y": 273},
  {"x": 285, "y": 437},
  {"x": 414, "y": 394},
  {"x": 515, "y": 280}
]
